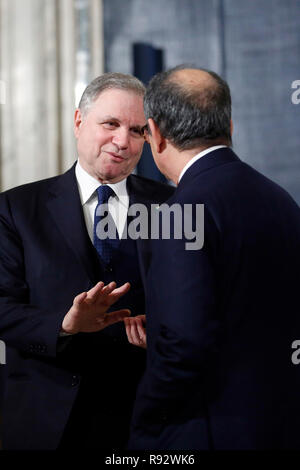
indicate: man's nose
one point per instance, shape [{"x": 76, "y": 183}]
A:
[{"x": 121, "y": 138}]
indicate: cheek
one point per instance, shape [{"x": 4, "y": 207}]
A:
[
  {"x": 91, "y": 144},
  {"x": 137, "y": 149},
  {"x": 135, "y": 157},
  {"x": 84, "y": 140}
]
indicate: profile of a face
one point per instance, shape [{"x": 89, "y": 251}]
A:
[{"x": 109, "y": 136}]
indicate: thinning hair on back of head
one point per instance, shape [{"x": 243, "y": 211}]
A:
[{"x": 188, "y": 114}]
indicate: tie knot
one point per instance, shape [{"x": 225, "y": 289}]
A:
[{"x": 104, "y": 192}]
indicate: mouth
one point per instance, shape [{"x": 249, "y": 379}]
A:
[{"x": 115, "y": 157}]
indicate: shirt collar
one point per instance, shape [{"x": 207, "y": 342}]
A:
[
  {"x": 199, "y": 155},
  {"x": 87, "y": 186}
]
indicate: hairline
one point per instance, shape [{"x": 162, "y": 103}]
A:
[{"x": 109, "y": 81}]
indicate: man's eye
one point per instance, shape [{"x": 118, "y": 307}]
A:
[
  {"x": 136, "y": 131},
  {"x": 109, "y": 124}
]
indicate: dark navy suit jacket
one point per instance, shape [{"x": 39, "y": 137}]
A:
[
  {"x": 221, "y": 320},
  {"x": 46, "y": 259}
]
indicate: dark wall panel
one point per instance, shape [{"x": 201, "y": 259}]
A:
[{"x": 254, "y": 44}]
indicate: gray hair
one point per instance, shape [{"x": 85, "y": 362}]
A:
[{"x": 107, "y": 81}]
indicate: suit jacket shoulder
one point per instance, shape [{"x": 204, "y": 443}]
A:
[
  {"x": 147, "y": 190},
  {"x": 25, "y": 192}
]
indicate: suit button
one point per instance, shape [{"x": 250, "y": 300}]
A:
[
  {"x": 109, "y": 269},
  {"x": 75, "y": 380}
]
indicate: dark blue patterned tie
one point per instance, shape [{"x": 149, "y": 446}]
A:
[{"x": 105, "y": 247}]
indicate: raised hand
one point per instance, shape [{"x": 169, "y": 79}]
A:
[{"x": 88, "y": 312}]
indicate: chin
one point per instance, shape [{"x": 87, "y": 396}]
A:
[{"x": 111, "y": 176}]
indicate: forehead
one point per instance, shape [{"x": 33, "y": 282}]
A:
[{"x": 120, "y": 104}]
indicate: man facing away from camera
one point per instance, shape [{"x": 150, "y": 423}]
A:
[
  {"x": 71, "y": 374},
  {"x": 221, "y": 318}
]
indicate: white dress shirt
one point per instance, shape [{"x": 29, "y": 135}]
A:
[
  {"x": 117, "y": 205},
  {"x": 199, "y": 155}
]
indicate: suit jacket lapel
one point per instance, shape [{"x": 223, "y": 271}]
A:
[
  {"x": 65, "y": 208},
  {"x": 137, "y": 196}
]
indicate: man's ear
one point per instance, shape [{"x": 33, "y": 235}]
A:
[
  {"x": 157, "y": 140},
  {"x": 231, "y": 127},
  {"x": 77, "y": 121}
]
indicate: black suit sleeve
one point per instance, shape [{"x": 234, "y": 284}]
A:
[{"x": 23, "y": 326}]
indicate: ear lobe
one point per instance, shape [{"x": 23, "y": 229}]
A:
[
  {"x": 77, "y": 121},
  {"x": 157, "y": 140}
]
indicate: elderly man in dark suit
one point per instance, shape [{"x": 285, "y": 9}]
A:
[
  {"x": 221, "y": 315},
  {"x": 71, "y": 374}
]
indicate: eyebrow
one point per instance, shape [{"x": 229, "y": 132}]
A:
[{"x": 110, "y": 118}]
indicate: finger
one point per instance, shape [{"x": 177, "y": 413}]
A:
[
  {"x": 118, "y": 292},
  {"x": 142, "y": 318},
  {"x": 124, "y": 288},
  {"x": 127, "y": 323},
  {"x": 134, "y": 333},
  {"x": 79, "y": 299},
  {"x": 141, "y": 330},
  {"x": 102, "y": 292},
  {"x": 94, "y": 291},
  {"x": 116, "y": 316},
  {"x": 109, "y": 288},
  {"x": 101, "y": 295}
]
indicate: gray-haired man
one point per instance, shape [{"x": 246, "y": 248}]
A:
[{"x": 68, "y": 384}]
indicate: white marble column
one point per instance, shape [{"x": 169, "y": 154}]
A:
[{"x": 40, "y": 71}]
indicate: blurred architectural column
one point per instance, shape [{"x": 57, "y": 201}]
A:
[
  {"x": 81, "y": 59},
  {"x": 40, "y": 68}
]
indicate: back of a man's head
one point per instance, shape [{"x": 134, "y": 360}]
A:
[
  {"x": 109, "y": 81},
  {"x": 191, "y": 106}
]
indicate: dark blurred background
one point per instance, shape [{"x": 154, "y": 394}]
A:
[{"x": 254, "y": 45}]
